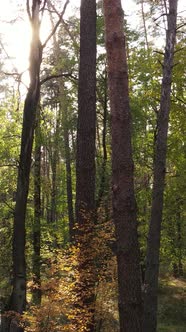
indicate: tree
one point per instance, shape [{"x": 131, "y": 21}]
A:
[
  {"x": 18, "y": 296},
  {"x": 153, "y": 245},
  {"x": 123, "y": 199},
  {"x": 85, "y": 162}
]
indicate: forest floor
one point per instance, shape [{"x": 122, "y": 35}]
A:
[{"x": 172, "y": 305}]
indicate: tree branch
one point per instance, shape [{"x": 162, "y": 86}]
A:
[
  {"x": 17, "y": 77},
  {"x": 54, "y": 10},
  {"x": 9, "y": 165},
  {"x": 43, "y": 8},
  {"x": 58, "y": 76},
  {"x": 57, "y": 24},
  {"x": 179, "y": 99},
  {"x": 159, "y": 52},
  {"x": 180, "y": 26},
  {"x": 180, "y": 49},
  {"x": 9, "y": 206},
  {"x": 155, "y": 19}
]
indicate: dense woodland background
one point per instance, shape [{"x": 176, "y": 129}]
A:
[{"x": 70, "y": 244}]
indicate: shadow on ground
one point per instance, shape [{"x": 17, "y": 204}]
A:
[{"x": 172, "y": 305}]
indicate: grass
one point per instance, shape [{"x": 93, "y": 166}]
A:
[{"x": 172, "y": 306}]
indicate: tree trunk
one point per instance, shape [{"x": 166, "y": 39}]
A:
[
  {"x": 36, "y": 295},
  {"x": 54, "y": 163},
  {"x": 153, "y": 245},
  {"x": 123, "y": 199},
  {"x": 85, "y": 162},
  {"x": 104, "y": 102},
  {"x": 18, "y": 296},
  {"x": 69, "y": 180}
]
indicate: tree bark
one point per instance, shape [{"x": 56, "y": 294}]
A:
[
  {"x": 85, "y": 166},
  {"x": 153, "y": 245},
  {"x": 85, "y": 161},
  {"x": 123, "y": 199}
]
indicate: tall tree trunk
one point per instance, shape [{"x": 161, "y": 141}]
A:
[
  {"x": 104, "y": 102},
  {"x": 68, "y": 177},
  {"x": 18, "y": 296},
  {"x": 123, "y": 199},
  {"x": 54, "y": 163},
  {"x": 36, "y": 295},
  {"x": 153, "y": 245},
  {"x": 85, "y": 162}
]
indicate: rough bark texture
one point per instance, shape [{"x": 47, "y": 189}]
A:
[
  {"x": 153, "y": 246},
  {"x": 124, "y": 205},
  {"x": 18, "y": 296},
  {"x": 85, "y": 161},
  {"x": 85, "y": 167}
]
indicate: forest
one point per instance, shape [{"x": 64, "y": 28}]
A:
[{"x": 93, "y": 167}]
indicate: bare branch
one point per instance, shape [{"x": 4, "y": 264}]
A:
[
  {"x": 43, "y": 8},
  {"x": 54, "y": 10},
  {"x": 180, "y": 49},
  {"x": 180, "y": 26},
  {"x": 9, "y": 206},
  {"x": 161, "y": 63},
  {"x": 179, "y": 99},
  {"x": 2, "y": 46},
  {"x": 58, "y": 76},
  {"x": 155, "y": 19},
  {"x": 17, "y": 76},
  {"x": 159, "y": 52},
  {"x": 57, "y": 24}
]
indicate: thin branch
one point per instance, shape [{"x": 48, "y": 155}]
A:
[
  {"x": 11, "y": 136},
  {"x": 9, "y": 206},
  {"x": 180, "y": 49},
  {"x": 58, "y": 76},
  {"x": 2, "y": 46},
  {"x": 64, "y": 23},
  {"x": 181, "y": 26},
  {"x": 159, "y": 26},
  {"x": 17, "y": 76},
  {"x": 179, "y": 99},
  {"x": 155, "y": 19},
  {"x": 57, "y": 24},
  {"x": 43, "y": 8},
  {"x": 9, "y": 165},
  {"x": 161, "y": 63},
  {"x": 159, "y": 52}
]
